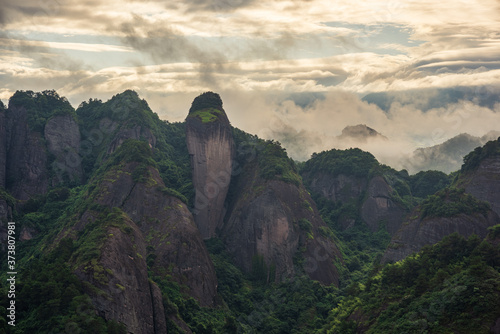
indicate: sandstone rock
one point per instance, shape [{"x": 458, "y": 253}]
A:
[
  {"x": 137, "y": 132},
  {"x": 3, "y": 146},
  {"x": 380, "y": 208},
  {"x": 265, "y": 221},
  {"x": 484, "y": 182},
  {"x": 62, "y": 136},
  {"x": 416, "y": 233},
  {"x": 26, "y": 170},
  {"x": 340, "y": 188},
  {"x": 210, "y": 143},
  {"x": 155, "y": 227}
]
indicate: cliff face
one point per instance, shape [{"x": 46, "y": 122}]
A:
[
  {"x": 340, "y": 188},
  {"x": 137, "y": 132},
  {"x": 484, "y": 182},
  {"x": 416, "y": 233},
  {"x": 277, "y": 221},
  {"x": 210, "y": 144},
  {"x": 380, "y": 208},
  {"x": 145, "y": 229},
  {"x": 26, "y": 169},
  {"x": 377, "y": 206},
  {"x": 3, "y": 145},
  {"x": 40, "y": 144},
  {"x": 62, "y": 136}
]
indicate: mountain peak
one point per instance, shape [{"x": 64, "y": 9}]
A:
[
  {"x": 205, "y": 101},
  {"x": 207, "y": 108},
  {"x": 360, "y": 132}
]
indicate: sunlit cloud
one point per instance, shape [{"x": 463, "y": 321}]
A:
[{"x": 297, "y": 63}]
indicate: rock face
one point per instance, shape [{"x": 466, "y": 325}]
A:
[
  {"x": 36, "y": 159},
  {"x": 377, "y": 205},
  {"x": 379, "y": 208},
  {"x": 26, "y": 170},
  {"x": 210, "y": 144},
  {"x": 275, "y": 221},
  {"x": 137, "y": 133},
  {"x": 484, "y": 182},
  {"x": 3, "y": 145},
  {"x": 416, "y": 233},
  {"x": 62, "y": 136},
  {"x": 149, "y": 228},
  {"x": 341, "y": 188}
]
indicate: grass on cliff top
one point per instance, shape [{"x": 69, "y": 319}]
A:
[
  {"x": 206, "y": 115},
  {"x": 451, "y": 202},
  {"x": 474, "y": 158}
]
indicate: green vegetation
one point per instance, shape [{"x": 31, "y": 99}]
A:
[
  {"x": 207, "y": 115},
  {"x": 207, "y": 100},
  {"x": 274, "y": 163},
  {"x": 453, "y": 286},
  {"x": 41, "y": 107},
  {"x": 474, "y": 158},
  {"x": 348, "y": 162},
  {"x": 426, "y": 183},
  {"x": 51, "y": 298},
  {"x": 452, "y": 202}
]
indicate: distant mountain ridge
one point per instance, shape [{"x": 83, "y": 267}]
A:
[
  {"x": 447, "y": 156},
  {"x": 126, "y": 223}
]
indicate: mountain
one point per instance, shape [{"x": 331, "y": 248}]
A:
[
  {"x": 359, "y": 133},
  {"x": 211, "y": 147},
  {"x": 125, "y": 223},
  {"x": 355, "y": 178},
  {"x": 447, "y": 156},
  {"x": 449, "y": 211}
]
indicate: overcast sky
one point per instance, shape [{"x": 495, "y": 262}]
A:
[{"x": 296, "y": 71}]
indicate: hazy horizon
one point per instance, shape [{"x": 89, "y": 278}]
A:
[{"x": 294, "y": 71}]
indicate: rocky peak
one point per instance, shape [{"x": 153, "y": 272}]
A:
[
  {"x": 143, "y": 228},
  {"x": 272, "y": 221},
  {"x": 355, "y": 177},
  {"x": 448, "y": 211},
  {"x": 211, "y": 147},
  {"x": 360, "y": 133}
]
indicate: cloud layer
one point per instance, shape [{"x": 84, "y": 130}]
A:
[{"x": 294, "y": 70}]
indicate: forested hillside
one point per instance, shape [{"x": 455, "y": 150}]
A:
[{"x": 128, "y": 223}]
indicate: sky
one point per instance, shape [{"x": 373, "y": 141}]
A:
[{"x": 296, "y": 71}]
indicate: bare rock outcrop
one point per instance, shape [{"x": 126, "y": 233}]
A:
[
  {"x": 3, "y": 145},
  {"x": 416, "y": 233},
  {"x": 275, "y": 222},
  {"x": 484, "y": 182},
  {"x": 146, "y": 230},
  {"x": 340, "y": 188},
  {"x": 379, "y": 207},
  {"x": 210, "y": 144},
  {"x": 27, "y": 174},
  {"x": 62, "y": 136}
]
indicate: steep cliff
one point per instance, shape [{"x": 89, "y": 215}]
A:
[
  {"x": 355, "y": 178},
  {"x": 3, "y": 145},
  {"x": 62, "y": 136},
  {"x": 379, "y": 207},
  {"x": 42, "y": 143},
  {"x": 132, "y": 225},
  {"x": 480, "y": 174},
  {"x": 449, "y": 211},
  {"x": 211, "y": 147},
  {"x": 273, "y": 227},
  {"x": 26, "y": 171}
]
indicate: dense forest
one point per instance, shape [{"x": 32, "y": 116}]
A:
[{"x": 65, "y": 231}]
